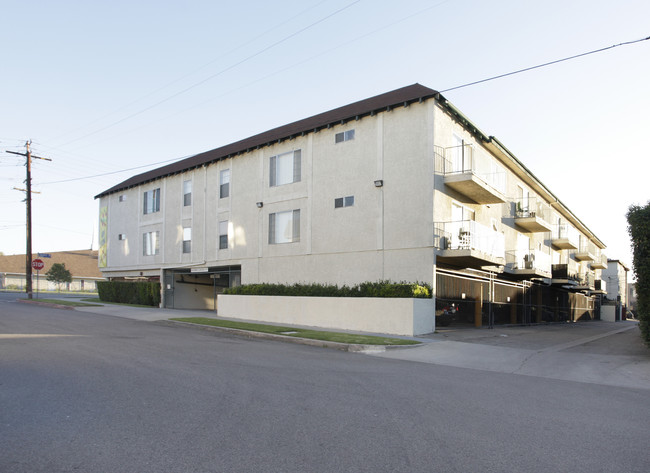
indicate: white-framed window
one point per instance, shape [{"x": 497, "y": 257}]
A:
[
  {"x": 187, "y": 193},
  {"x": 224, "y": 183},
  {"x": 151, "y": 243},
  {"x": 285, "y": 168},
  {"x": 223, "y": 234},
  {"x": 122, "y": 198},
  {"x": 344, "y": 202},
  {"x": 121, "y": 236},
  {"x": 187, "y": 239},
  {"x": 284, "y": 227},
  {"x": 151, "y": 201},
  {"x": 344, "y": 136}
]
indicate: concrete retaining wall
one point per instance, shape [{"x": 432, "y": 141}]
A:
[{"x": 364, "y": 314}]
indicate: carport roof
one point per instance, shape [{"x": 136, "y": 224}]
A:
[{"x": 353, "y": 111}]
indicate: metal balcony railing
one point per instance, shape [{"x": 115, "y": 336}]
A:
[
  {"x": 465, "y": 159},
  {"x": 561, "y": 271},
  {"x": 564, "y": 231},
  {"x": 532, "y": 259},
  {"x": 470, "y": 235},
  {"x": 532, "y": 207}
]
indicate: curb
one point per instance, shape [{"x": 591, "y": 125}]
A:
[
  {"x": 46, "y": 304},
  {"x": 349, "y": 347}
]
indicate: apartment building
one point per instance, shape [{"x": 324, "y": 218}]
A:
[
  {"x": 400, "y": 186},
  {"x": 618, "y": 291}
]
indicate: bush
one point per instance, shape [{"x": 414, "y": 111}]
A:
[
  {"x": 366, "y": 289},
  {"x": 141, "y": 292},
  {"x": 638, "y": 219}
]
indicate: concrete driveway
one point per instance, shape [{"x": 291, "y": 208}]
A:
[{"x": 609, "y": 353}]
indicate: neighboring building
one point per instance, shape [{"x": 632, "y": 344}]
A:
[
  {"x": 618, "y": 291},
  {"x": 400, "y": 186},
  {"x": 82, "y": 265}
]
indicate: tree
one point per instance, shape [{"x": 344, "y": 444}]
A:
[
  {"x": 638, "y": 219},
  {"x": 58, "y": 274}
]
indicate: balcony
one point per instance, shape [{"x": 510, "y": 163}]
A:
[
  {"x": 599, "y": 262},
  {"x": 473, "y": 175},
  {"x": 562, "y": 276},
  {"x": 533, "y": 215},
  {"x": 468, "y": 244},
  {"x": 600, "y": 287},
  {"x": 527, "y": 264},
  {"x": 586, "y": 252},
  {"x": 586, "y": 281},
  {"x": 565, "y": 237}
]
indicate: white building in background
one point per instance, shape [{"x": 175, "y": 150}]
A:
[
  {"x": 400, "y": 186},
  {"x": 615, "y": 275}
]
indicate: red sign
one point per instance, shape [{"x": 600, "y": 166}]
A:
[{"x": 38, "y": 264}]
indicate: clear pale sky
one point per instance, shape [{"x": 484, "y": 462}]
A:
[{"x": 122, "y": 87}]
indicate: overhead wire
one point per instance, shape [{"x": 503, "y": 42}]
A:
[
  {"x": 184, "y": 76},
  {"x": 500, "y": 76},
  {"x": 203, "y": 81}
]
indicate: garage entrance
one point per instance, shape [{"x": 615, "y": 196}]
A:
[{"x": 197, "y": 288}]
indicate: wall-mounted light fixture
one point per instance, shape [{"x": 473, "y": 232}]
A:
[
  {"x": 463, "y": 295},
  {"x": 260, "y": 205},
  {"x": 379, "y": 183}
]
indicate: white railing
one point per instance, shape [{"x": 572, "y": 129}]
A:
[
  {"x": 566, "y": 231},
  {"x": 532, "y": 207},
  {"x": 465, "y": 159},
  {"x": 530, "y": 259},
  {"x": 470, "y": 235}
]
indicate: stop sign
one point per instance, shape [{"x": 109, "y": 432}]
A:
[{"x": 38, "y": 264}]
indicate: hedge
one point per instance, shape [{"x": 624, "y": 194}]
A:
[
  {"x": 638, "y": 219},
  {"x": 141, "y": 293},
  {"x": 365, "y": 289}
]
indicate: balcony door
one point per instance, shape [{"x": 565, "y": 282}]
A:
[
  {"x": 460, "y": 226},
  {"x": 523, "y": 250},
  {"x": 458, "y": 154}
]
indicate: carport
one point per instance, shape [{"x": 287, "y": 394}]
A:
[{"x": 197, "y": 288}]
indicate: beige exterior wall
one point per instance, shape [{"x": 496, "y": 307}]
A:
[{"x": 386, "y": 234}]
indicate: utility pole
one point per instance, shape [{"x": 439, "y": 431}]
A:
[{"x": 28, "y": 199}]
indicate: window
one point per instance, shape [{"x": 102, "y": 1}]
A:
[
  {"x": 121, "y": 236},
  {"x": 344, "y": 136},
  {"x": 151, "y": 202},
  {"x": 187, "y": 239},
  {"x": 122, "y": 198},
  {"x": 151, "y": 243},
  {"x": 224, "y": 183},
  {"x": 223, "y": 235},
  {"x": 187, "y": 193},
  {"x": 344, "y": 202},
  {"x": 284, "y": 227},
  {"x": 284, "y": 168}
]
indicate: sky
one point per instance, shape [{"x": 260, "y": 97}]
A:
[{"x": 107, "y": 90}]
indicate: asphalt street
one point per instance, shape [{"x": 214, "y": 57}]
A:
[{"x": 91, "y": 392}]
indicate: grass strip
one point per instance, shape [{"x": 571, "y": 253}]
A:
[
  {"x": 299, "y": 333},
  {"x": 64, "y": 302}
]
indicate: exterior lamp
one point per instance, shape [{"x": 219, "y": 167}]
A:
[
  {"x": 260, "y": 205},
  {"x": 379, "y": 183}
]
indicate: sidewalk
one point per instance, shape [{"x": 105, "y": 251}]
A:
[{"x": 609, "y": 353}]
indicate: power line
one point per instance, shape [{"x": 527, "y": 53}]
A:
[
  {"x": 545, "y": 64},
  {"x": 288, "y": 20},
  {"x": 232, "y": 66},
  {"x": 113, "y": 172}
]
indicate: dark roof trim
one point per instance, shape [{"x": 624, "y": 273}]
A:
[{"x": 355, "y": 111}]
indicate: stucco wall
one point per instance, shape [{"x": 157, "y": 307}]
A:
[{"x": 377, "y": 315}]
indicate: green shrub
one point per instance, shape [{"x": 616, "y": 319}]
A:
[
  {"x": 638, "y": 219},
  {"x": 141, "y": 292},
  {"x": 365, "y": 289}
]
